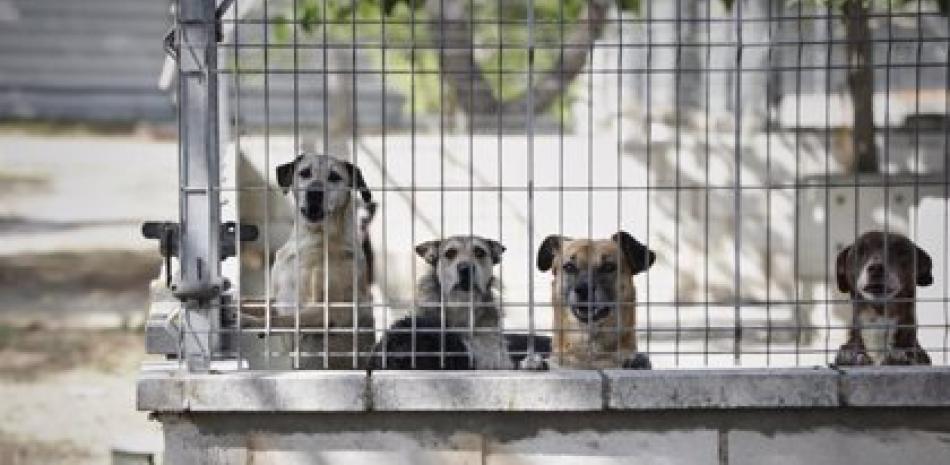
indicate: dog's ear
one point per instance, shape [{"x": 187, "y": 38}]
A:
[
  {"x": 841, "y": 270},
  {"x": 550, "y": 248},
  {"x": 285, "y": 174},
  {"x": 357, "y": 181},
  {"x": 496, "y": 250},
  {"x": 925, "y": 275},
  {"x": 637, "y": 255},
  {"x": 429, "y": 251}
]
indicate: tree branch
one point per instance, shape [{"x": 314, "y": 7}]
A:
[{"x": 452, "y": 33}]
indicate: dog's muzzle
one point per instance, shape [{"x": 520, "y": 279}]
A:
[
  {"x": 590, "y": 313},
  {"x": 312, "y": 209},
  {"x": 877, "y": 281},
  {"x": 466, "y": 276}
]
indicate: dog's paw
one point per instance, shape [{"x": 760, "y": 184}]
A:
[
  {"x": 534, "y": 362},
  {"x": 850, "y": 357},
  {"x": 899, "y": 357},
  {"x": 640, "y": 361}
]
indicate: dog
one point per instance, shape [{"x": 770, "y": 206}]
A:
[
  {"x": 594, "y": 301},
  {"x": 327, "y": 259},
  {"x": 881, "y": 272},
  {"x": 456, "y": 293}
]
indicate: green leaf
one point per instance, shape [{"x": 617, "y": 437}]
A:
[
  {"x": 630, "y": 6},
  {"x": 389, "y": 5},
  {"x": 728, "y": 4},
  {"x": 281, "y": 29},
  {"x": 310, "y": 16}
]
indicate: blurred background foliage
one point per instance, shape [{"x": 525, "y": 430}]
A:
[{"x": 499, "y": 38}]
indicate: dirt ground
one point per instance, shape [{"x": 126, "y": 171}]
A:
[
  {"x": 67, "y": 396},
  {"x": 74, "y": 274}
]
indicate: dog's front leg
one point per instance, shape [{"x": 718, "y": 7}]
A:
[
  {"x": 907, "y": 356},
  {"x": 853, "y": 354},
  {"x": 490, "y": 352},
  {"x": 536, "y": 362},
  {"x": 639, "y": 361}
]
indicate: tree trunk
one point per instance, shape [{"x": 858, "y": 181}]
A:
[
  {"x": 473, "y": 93},
  {"x": 342, "y": 109},
  {"x": 861, "y": 84}
]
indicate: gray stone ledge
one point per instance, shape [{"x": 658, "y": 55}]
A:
[
  {"x": 562, "y": 390},
  {"x": 896, "y": 386},
  {"x": 261, "y": 391},
  {"x": 721, "y": 388},
  {"x": 163, "y": 387}
]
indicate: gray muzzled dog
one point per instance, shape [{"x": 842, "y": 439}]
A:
[{"x": 457, "y": 291}]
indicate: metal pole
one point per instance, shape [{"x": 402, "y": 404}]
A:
[{"x": 199, "y": 282}]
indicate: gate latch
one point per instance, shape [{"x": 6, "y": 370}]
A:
[{"x": 168, "y": 235}]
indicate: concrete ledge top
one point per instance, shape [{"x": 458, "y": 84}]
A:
[
  {"x": 164, "y": 388},
  {"x": 563, "y": 390},
  {"x": 728, "y": 388},
  {"x": 896, "y": 387}
]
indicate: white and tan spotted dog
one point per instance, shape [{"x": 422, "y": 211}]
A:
[{"x": 324, "y": 270}]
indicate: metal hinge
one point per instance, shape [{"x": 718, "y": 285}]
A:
[{"x": 170, "y": 45}]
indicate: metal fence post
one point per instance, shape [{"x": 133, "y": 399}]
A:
[{"x": 199, "y": 283}]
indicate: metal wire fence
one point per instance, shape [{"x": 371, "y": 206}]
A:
[{"x": 482, "y": 184}]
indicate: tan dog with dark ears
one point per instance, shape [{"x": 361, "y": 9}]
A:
[
  {"x": 594, "y": 301},
  {"x": 881, "y": 272}
]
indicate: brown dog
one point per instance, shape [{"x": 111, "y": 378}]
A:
[
  {"x": 881, "y": 272},
  {"x": 594, "y": 300}
]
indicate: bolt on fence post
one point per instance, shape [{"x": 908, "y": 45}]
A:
[{"x": 199, "y": 282}]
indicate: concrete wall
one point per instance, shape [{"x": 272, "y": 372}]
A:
[
  {"x": 803, "y": 416},
  {"x": 880, "y": 436}
]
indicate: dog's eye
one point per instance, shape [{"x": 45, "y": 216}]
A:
[
  {"x": 450, "y": 253},
  {"x": 305, "y": 173},
  {"x": 334, "y": 177},
  {"x": 608, "y": 267},
  {"x": 478, "y": 252},
  {"x": 570, "y": 268}
]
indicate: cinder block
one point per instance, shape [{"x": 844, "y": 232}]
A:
[
  {"x": 734, "y": 388},
  {"x": 560, "y": 390},
  {"x": 587, "y": 447},
  {"x": 363, "y": 457},
  {"x": 261, "y": 443},
  {"x": 896, "y": 386},
  {"x": 832, "y": 445}
]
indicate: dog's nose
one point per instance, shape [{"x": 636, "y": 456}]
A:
[
  {"x": 315, "y": 197},
  {"x": 582, "y": 290},
  {"x": 465, "y": 271},
  {"x": 876, "y": 270}
]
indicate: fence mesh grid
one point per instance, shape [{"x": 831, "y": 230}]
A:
[{"x": 746, "y": 144}]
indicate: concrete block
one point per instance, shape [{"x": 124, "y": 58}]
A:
[
  {"x": 622, "y": 446},
  {"x": 172, "y": 390},
  {"x": 896, "y": 386},
  {"x": 561, "y": 390},
  {"x": 834, "y": 445},
  {"x": 309, "y": 439},
  {"x": 734, "y": 388},
  {"x": 159, "y": 391},
  {"x": 286, "y": 391}
]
